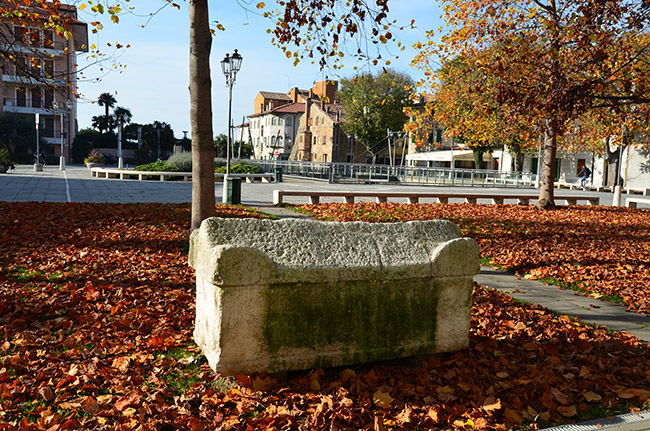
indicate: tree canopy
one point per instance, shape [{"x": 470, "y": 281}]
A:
[
  {"x": 375, "y": 104},
  {"x": 560, "y": 63}
]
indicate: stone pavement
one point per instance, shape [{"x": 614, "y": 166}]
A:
[{"x": 76, "y": 185}]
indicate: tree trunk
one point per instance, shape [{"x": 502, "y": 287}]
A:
[
  {"x": 519, "y": 162},
  {"x": 203, "y": 200},
  {"x": 478, "y": 157},
  {"x": 545, "y": 200}
]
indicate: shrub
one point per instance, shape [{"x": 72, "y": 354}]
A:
[
  {"x": 5, "y": 160},
  {"x": 80, "y": 149},
  {"x": 240, "y": 168},
  {"x": 94, "y": 157},
  {"x": 181, "y": 161},
  {"x": 160, "y": 166}
]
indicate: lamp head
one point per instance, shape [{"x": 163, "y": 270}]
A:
[
  {"x": 236, "y": 61},
  {"x": 226, "y": 64}
]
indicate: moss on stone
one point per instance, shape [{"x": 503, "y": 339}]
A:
[{"x": 366, "y": 320}]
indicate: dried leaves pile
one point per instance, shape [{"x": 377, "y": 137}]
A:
[{"x": 96, "y": 319}]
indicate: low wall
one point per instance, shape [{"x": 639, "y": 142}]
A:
[{"x": 294, "y": 294}]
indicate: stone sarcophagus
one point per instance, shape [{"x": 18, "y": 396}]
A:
[{"x": 295, "y": 294}]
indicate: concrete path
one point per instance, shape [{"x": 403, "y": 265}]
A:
[
  {"x": 590, "y": 310},
  {"x": 76, "y": 185}
]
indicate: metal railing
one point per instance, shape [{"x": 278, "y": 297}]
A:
[{"x": 363, "y": 173}]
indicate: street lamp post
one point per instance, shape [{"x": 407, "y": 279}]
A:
[
  {"x": 230, "y": 65},
  {"x": 157, "y": 130},
  {"x": 37, "y": 160},
  {"x": 66, "y": 108},
  {"x": 120, "y": 161}
]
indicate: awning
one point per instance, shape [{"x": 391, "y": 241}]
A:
[{"x": 441, "y": 156}]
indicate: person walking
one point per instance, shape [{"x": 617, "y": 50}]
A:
[{"x": 584, "y": 174}]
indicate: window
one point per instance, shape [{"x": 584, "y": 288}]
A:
[
  {"x": 36, "y": 98},
  {"x": 48, "y": 68},
  {"x": 48, "y": 130},
  {"x": 48, "y": 38},
  {"x": 34, "y": 37},
  {"x": 274, "y": 121},
  {"x": 49, "y": 98},
  {"x": 289, "y": 121},
  {"x": 262, "y": 131},
  {"x": 21, "y": 97},
  {"x": 323, "y": 140},
  {"x": 325, "y": 157},
  {"x": 22, "y": 66},
  {"x": 20, "y": 34},
  {"x": 279, "y": 141},
  {"x": 273, "y": 141}
]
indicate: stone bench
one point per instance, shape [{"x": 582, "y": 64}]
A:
[
  {"x": 289, "y": 294},
  {"x": 126, "y": 174},
  {"x": 414, "y": 197},
  {"x": 633, "y": 202}
]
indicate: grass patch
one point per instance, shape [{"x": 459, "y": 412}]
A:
[{"x": 576, "y": 287}]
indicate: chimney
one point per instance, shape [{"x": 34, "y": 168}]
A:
[
  {"x": 294, "y": 94},
  {"x": 307, "y": 109}
]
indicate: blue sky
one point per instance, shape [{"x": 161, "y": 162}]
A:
[{"x": 154, "y": 82}]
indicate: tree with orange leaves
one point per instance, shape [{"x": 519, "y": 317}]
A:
[{"x": 557, "y": 62}]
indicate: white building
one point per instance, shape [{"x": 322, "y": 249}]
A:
[{"x": 274, "y": 132}]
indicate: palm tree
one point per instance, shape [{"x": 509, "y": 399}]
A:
[
  {"x": 101, "y": 123},
  {"x": 106, "y": 100},
  {"x": 122, "y": 116}
]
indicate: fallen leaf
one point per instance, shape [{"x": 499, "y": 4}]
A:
[
  {"x": 513, "y": 417},
  {"x": 591, "y": 396},
  {"x": 491, "y": 404},
  {"x": 382, "y": 399},
  {"x": 567, "y": 411}
]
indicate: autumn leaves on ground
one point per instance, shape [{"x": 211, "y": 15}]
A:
[{"x": 97, "y": 308}]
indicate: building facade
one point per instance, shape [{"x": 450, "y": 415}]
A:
[
  {"x": 301, "y": 125},
  {"x": 41, "y": 81},
  {"x": 273, "y": 132}
]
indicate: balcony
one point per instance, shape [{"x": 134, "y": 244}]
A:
[
  {"x": 57, "y": 49},
  {"x": 29, "y": 106},
  {"x": 28, "y": 80}
]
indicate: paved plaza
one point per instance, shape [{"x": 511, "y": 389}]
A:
[{"x": 75, "y": 184}]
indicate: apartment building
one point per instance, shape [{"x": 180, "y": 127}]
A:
[
  {"x": 301, "y": 125},
  {"x": 273, "y": 132},
  {"x": 39, "y": 81}
]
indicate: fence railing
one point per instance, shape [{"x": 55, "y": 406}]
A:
[{"x": 363, "y": 173}]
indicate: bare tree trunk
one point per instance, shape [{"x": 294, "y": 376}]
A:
[
  {"x": 519, "y": 161},
  {"x": 545, "y": 200},
  {"x": 203, "y": 200}
]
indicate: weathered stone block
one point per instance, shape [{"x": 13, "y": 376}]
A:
[{"x": 294, "y": 294}]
